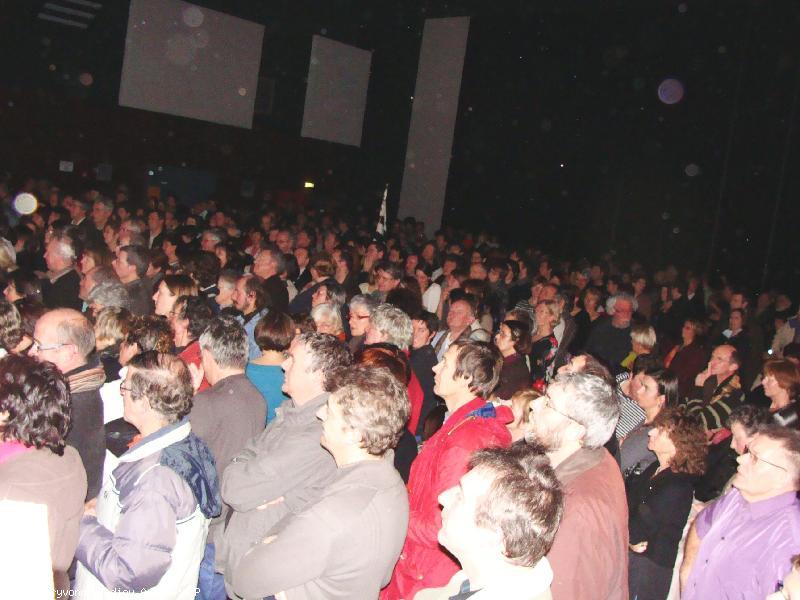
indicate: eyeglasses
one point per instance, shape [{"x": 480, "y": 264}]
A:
[
  {"x": 38, "y": 347},
  {"x": 549, "y": 404},
  {"x": 757, "y": 459},
  {"x": 128, "y": 389}
]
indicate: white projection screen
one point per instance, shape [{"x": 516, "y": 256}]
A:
[
  {"x": 336, "y": 94},
  {"x": 433, "y": 120},
  {"x": 189, "y": 61}
]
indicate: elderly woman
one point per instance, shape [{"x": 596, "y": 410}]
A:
[
  {"x": 169, "y": 290},
  {"x": 36, "y": 465},
  {"x": 513, "y": 340},
  {"x": 643, "y": 340},
  {"x": 361, "y": 308},
  {"x": 652, "y": 389},
  {"x": 147, "y": 530},
  {"x": 659, "y": 501},
  {"x": 328, "y": 319},
  {"x": 273, "y": 334}
]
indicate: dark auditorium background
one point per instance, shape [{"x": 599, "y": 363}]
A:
[{"x": 562, "y": 138}]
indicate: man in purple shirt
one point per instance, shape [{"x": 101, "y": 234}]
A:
[{"x": 741, "y": 546}]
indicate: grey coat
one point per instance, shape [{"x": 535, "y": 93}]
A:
[{"x": 281, "y": 471}]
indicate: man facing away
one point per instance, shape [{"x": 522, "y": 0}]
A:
[
  {"x": 467, "y": 373},
  {"x": 346, "y": 544},
  {"x": 284, "y": 469}
]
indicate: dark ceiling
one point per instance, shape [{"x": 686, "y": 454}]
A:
[{"x": 562, "y": 139}]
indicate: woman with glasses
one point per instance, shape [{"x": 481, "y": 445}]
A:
[{"x": 659, "y": 501}]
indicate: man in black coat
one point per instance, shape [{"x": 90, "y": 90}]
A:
[{"x": 61, "y": 287}]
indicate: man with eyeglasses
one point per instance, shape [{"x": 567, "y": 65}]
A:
[
  {"x": 65, "y": 338},
  {"x": 742, "y": 545},
  {"x": 572, "y": 421}
]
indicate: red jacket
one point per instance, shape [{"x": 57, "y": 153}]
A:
[
  {"x": 439, "y": 466},
  {"x": 191, "y": 356},
  {"x": 415, "y": 398}
]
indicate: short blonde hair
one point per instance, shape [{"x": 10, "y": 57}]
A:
[
  {"x": 112, "y": 324},
  {"x": 523, "y": 399},
  {"x": 553, "y": 308},
  {"x": 644, "y": 335}
]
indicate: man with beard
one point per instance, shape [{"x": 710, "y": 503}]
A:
[{"x": 573, "y": 420}]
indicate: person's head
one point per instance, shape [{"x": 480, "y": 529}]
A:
[
  {"x": 156, "y": 392},
  {"x": 513, "y": 336},
  {"x": 621, "y": 308},
  {"x": 23, "y": 284},
  {"x": 736, "y": 320},
  {"x": 366, "y": 412},
  {"x": 131, "y": 263},
  {"x": 505, "y": 509},
  {"x": 390, "y": 324},
  {"x": 548, "y": 313},
  {"x": 284, "y": 241},
  {"x": 108, "y": 293},
  {"x": 301, "y": 255},
  {"x": 63, "y": 337},
  {"x": 203, "y": 267},
  {"x": 591, "y": 297},
  {"x": 94, "y": 256},
  {"x": 170, "y": 288},
  {"x": 189, "y": 317},
  {"x": 781, "y": 382},
  {"x": 60, "y": 253},
  {"x": 226, "y": 284},
  {"x": 249, "y": 295},
  {"x": 462, "y": 314},
  {"x": 467, "y": 369},
  {"x": 739, "y": 300},
  {"x": 655, "y": 389},
  {"x": 578, "y": 410},
  {"x": 388, "y": 277},
  {"x": 35, "y": 404},
  {"x": 312, "y": 357},
  {"x": 771, "y": 464},
  {"x": 327, "y": 319},
  {"x": 521, "y": 403},
  {"x": 111, "y": 326},
  {"x": 361, "y": 308},
  {"x": 321, "y": 266},
  {"x": 224, "y": 348},
  {"x": 643, "y": 338},
  {"x": 155, "y": 221},
  {"x": 744, "y": 423},
  {"x": 680, "y": 441},
  {"x": 268, "y": 262},
  {"x": 588, "y": 364},
  {"x": 693, "y": 330},
  {"x": 724, "y": 362},
  {"x": 211, "y": 238},
  {"x": 146, "y": 333},
  {"x": 274, "y": 332},
  {"x": 424, "y": 325},
  {"x": 11, "y": 330},
  {"x": 102, "y": 211},
  {"x": 329, "y": 292}
]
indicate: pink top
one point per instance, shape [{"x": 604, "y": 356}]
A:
[{"x": 11, "y": 448}]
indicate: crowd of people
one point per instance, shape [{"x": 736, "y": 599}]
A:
[{"x": 275, "y": 402}]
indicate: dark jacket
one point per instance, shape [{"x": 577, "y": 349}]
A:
[
  {"x": 87, "y": 434},
  {"x": 658, "y": 506},
  {"x": 609, "y": 343},
  {"x": 514, "y": 377},
  {"x": 63, "y": 292},
  {"x": 422, "y": 361},
  {"x": 277, "y": 292},
  {"x": 141, "y": 297}
]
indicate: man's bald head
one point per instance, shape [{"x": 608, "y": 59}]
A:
[{"x": 63, "y": 337}]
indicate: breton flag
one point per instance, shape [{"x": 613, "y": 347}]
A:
[{"x": 381, "y": 228}]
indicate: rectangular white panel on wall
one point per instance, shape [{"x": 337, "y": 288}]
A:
[
  {"x": 433, "y": 120},
  {"x": 336, "y": 94},
  {"x": 189, "y": 61}
]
